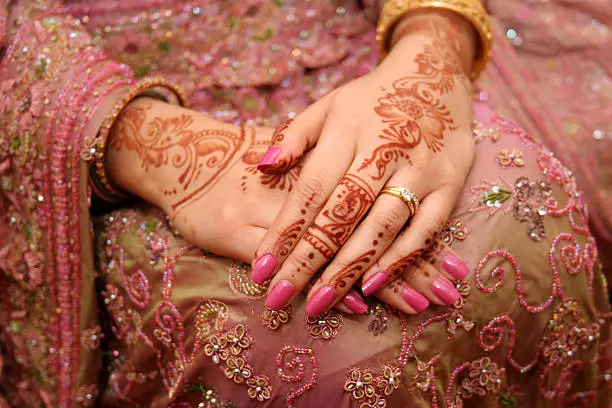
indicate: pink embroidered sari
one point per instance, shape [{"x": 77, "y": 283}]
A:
[{"x": 116, "y": 310}]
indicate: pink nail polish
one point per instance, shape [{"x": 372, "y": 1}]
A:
[
  {"x": 445, "y": 291},
  {"x": 374, "y": 283},
  {"x": 353, "y": 301},
  {"x": 269, "y": 157},
  {"x": 414, "y": 299},
  {"x": 321, "y": 301},
  {"x": 263, "y": 268},
  {"x": 454, "y": 266},
  {"x": 280, "y": 295}
]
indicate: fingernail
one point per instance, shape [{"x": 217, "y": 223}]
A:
[
  {"x": 353, "y": 301},
  {"x": 454, "y": 266},
  {"x": 343, "y": 308},
  {"x": 263, "y": 268},
  {"x": 270, "y": 156},
  {"x": 321, "y": 301},
  {"x": 414, "y": 299},
  {"x": 374, "y": 283},
  {"x": 279, "y": 295},
  {"x": 445, "y": 291}
]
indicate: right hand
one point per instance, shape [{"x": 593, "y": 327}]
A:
[{"x": 200, "y": 172}]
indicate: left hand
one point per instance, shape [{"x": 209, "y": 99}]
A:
[{"x": 407, "y": 124}]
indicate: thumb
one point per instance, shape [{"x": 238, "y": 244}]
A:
[{"x": 295, "y": 137}]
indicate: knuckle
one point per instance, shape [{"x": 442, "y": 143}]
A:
[
  {"x": 309, "y": 190},
  {"x": 303, "y": 264},
  {"x": 388, "y": 223}
]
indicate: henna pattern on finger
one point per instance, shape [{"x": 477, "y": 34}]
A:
[
  {"x": 282, "y": 165},
  {"x": 284, "y": 179},
  {"x": 288, "y": 238},
  {"x": 202, "y": 155},
  {"x": 279, "y": 133},
  {"x": 354, "y": 199},
  {"x": 352, "y": 271},
  {"x": 412, "y": 111}
]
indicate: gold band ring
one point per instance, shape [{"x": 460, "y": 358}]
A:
[{"x": 407, "y": 196}]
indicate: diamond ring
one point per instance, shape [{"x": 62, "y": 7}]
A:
[{"x": 407, "y": 196}]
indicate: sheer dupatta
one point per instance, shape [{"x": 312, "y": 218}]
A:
[{"x": 56, "y": 87}]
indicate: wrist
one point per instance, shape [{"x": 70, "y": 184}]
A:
[
  {"x": 125, "y": 166},
  {"x": 429, "y": 22}
]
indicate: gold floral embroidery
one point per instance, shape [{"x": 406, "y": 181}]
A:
[
  {"x": 238, "y": 340},
  {"x": 259, "y": 388},
  {"x": 484, "y": 376},
  {"x": 454, "y": 229},
  {"x": 274, "y": 319},
  {"x": 507, "y": 158},
  {"x": 325, "y": 326},
  {"x": 238, "y": 370}
]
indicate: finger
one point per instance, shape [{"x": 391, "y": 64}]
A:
[
  {"x": 420, "y": 236},
  {"x": 431, "y": 283},
  {"x": 400, "y": 295},
  {"x": 294, "y": 137},
  {"x": 317, "y": 181},
  {"x": 332, "y": 227},
  {"x": 374, "y": 235}
]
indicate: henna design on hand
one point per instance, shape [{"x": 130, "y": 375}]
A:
[
  {"x": 284, "y": 179},
  {"x": 279, "y": 133},
  {"x": 352, "y": 270},
  {"x": 354, "y": 199},
  {"x": 288, "y": 238},
  {"x": 412, "y": 111},
  {"x": 202, "y": 155},
  {"x": 282, "y": 165}
]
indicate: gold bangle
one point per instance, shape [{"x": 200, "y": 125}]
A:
[
  {"x": 105, "y": 187},
  {"x": 471, "y": 10}
]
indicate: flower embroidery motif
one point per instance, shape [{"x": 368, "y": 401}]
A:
[
  {"x": 360, "y": 384},
  {"x": 454, "y": 229},
  {"x": 237, "y": 370},
  {"x": 259, "y": 388},
  {"x": 456, "y": 320},
  {"x": 210, "y": 397},
  {"x": 324, "y": 326},
  {"x": 86, "y": 395},
  {"x": 391, "y": 379},
  {"x": 531, "y": 200},
  {"x": 273, "y": 319},
  {"x": 238, "y": 340},
  {"x": 424, "y": 376},
  {"x": 507, "y": 158},
  {"x": 379, "y": 324},
  {"x": 91, "y": 337},
  {"x": 216, "y": 348},
  {"x": 484, "y": 376}
]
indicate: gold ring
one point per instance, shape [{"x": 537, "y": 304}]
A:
[{"x": 407, "y": 196}]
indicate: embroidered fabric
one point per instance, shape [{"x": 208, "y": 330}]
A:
[{"x": 179, "y": 327}]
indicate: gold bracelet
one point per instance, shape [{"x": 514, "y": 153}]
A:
[
  {"x": 103, "y": 187},
  {"x": 471, "y": 10}
]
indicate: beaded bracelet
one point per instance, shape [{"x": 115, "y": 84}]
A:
[
  {"x": 99, "y": 181},
  {"x": 472, "y": 10}
]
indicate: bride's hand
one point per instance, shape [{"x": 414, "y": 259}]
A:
[
  {"x": 201, "y": 172},
  {"x": 407, "y": 124}
]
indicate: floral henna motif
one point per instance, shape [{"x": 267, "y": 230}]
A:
[
  {"x": 412, "y": 110},
  {"x": 354, "y": 198},
  {"x": 173, "y": 141}
]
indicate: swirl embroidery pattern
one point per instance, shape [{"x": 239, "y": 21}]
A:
[{"x": 412, "y": 110}]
